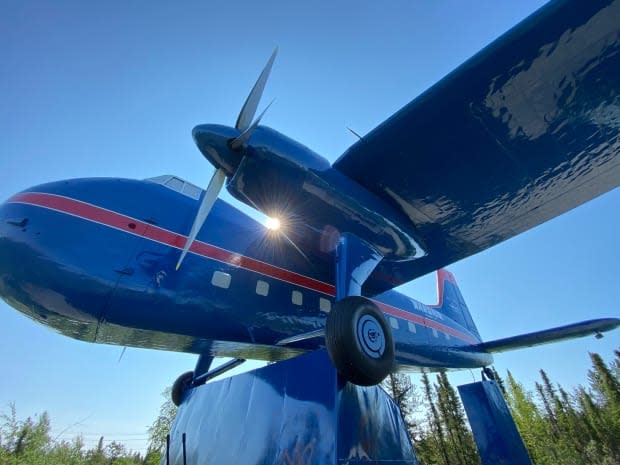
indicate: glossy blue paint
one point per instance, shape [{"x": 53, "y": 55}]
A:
[
  {"x": 288, "y": 181},
  {"x": 495, "y": 433},
  {"x": 309, "y": 200},
  {"x": 294, "y": 412},
  {"x": 94, "y": 278},
  {"x": 355, "y": 261},
  {"x": 584, "y": 328},
  {"x": 203, "y": 364},
  {"x": 522, "y": 132}
]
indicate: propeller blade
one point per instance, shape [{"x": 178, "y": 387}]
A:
[
  {"x": 244, "y": 137},
  {"x": 209, "y": 198},
  {"x": 244, "y": 120}
]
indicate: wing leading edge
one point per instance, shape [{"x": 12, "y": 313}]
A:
[{"x": 525, "y": 130}]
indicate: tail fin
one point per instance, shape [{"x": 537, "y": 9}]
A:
[{"x": 450, "y": 302}]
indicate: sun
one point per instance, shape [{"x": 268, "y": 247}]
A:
[{"x": 272, "y": 224}]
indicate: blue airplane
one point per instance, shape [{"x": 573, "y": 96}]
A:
[{"x": 525, "y": 130}]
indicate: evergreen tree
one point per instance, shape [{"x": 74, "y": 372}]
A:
[
  {"x": 616, "y": 364},
  {"x": 500, "y": 382},
  {"x": 567, "y": 445},
  {"x": 594, "y": 423},
  {"x": 574, "y": 428},
  {"x": 403, "y": 392},
  {"x": 530, "y": 423},
  {"x": 463, "y": 449},
  {"x": 606, "y": 389},
  {"x": 604, "y": 382},
  {"x": 434, "y": 448},
  {"x": 547, "y": 396}
]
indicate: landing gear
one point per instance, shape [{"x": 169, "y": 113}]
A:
[
  {"x": 180, "y": 387},
  {"x": 200, "y": 376},
  {"x": 359, "y": 341}
]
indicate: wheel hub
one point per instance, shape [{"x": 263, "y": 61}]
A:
[{"x": 370, "y": 336}]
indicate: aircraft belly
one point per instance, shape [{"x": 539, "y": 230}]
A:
[{"x": 419, "y": 357}]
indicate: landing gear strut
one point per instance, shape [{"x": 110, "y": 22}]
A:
[
  {"x": 201, "y": 374},
  {"x": 358, "y": 339}
]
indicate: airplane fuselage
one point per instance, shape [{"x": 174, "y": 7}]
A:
[{"x": 95, "y": 259}]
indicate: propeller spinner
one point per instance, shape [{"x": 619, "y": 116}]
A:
[{"x": 220, "y": 153}]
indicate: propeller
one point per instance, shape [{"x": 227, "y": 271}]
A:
[
  {"x": 208, "y": 199},
  {"x": 244, "y": 120},
  {"x": 246, "y": 127}
]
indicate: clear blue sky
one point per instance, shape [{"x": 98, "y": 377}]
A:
[{"x": 114, "y": 89}]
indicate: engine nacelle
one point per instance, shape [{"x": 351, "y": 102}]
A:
[{"x": 286, "y": 180}]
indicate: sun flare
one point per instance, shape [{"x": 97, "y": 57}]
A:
[{"x": 272, "y": 223}]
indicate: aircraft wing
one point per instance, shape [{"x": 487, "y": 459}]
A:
[
  {"x": 575, "y": 330},
  {"x": 525, "y": 130}
]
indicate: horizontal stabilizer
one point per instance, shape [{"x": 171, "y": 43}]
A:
[{"x": 572, "y": 331}]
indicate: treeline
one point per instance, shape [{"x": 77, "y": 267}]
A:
[
  {"x": 582, "y": 427},
  {"x": 29, "y": 442},
  {"x": 435, "y": 420},
  {"x": 558, "y": 427}
]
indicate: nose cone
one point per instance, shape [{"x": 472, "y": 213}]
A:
[
  {"x": 213, "y": 142},
  {"x": 32, "y": 278},
  {"x": 13, "y": 251},
  {"x": 19, "y": 261}
]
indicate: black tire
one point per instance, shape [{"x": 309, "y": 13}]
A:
[
  {"x": 359, "y": 341},
  {"x": 180, "y": 387}
]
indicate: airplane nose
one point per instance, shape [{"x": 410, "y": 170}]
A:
[
  {"x": 13, "y": 222},
  {"x": 13, "y": 227},
  {"x": 33, "y": 279}
]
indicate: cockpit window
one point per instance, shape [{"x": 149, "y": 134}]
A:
[
  {"x": 191, "y": 190},
  {"x": 179, "y": 185},
  {"x": 175, "y": 184}
]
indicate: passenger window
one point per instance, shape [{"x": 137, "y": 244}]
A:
[
  {"x": 435, "y": 333},
  {"x": 325, "y": 305},
  {"x": 221, "y": 279},
  {"x": 411, "y": 327},
  {"x": 262, "y": 287},
  {"x": 297, "y": 298},
  {"x": 393, "y": 322}
]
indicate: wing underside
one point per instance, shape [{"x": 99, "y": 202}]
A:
[{"x": 525, "y": 130}]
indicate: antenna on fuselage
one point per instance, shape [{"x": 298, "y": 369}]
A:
[{"x": 354, "y": 133}]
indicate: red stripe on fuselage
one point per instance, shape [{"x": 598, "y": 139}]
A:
[
  {"x": 140, "y": 228},
  {"x": 155, "y": 233},
  {"x": 397, "y": 312}
]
